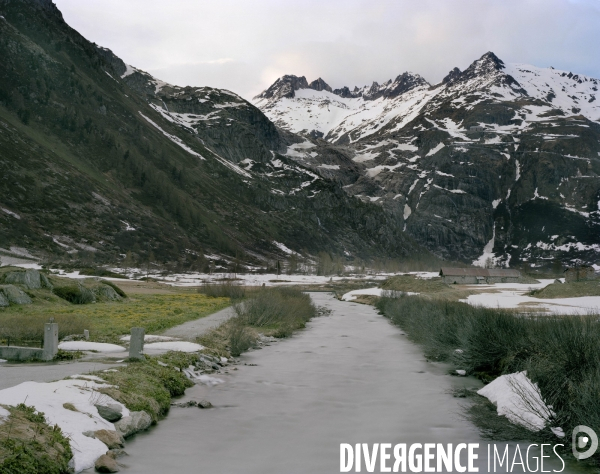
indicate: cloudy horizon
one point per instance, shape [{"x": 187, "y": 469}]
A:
[{"x": 245, "y": 46}]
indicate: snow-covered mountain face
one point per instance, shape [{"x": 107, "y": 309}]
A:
[{"x": 498, "y": 163}]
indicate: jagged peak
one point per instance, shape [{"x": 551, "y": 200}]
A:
[
  {"x": 319, "y": 85},
  {"x": 285, "y": 86}
]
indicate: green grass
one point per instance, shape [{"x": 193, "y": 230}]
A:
[
  {"x": 560, "y": 353},
  {"x": 29, "y": 446},
  {"x": 107, "y": 321},
  {"x": 568, "y": 290},
  {"x": 146, "y": 385}
]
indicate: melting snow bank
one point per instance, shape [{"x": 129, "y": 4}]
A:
[
  {"x": 520, "y": 400},
  {"x": 49, "y": 398},
  {"x": 351, "y": 295},
  {"x": 181, "y": 346}
]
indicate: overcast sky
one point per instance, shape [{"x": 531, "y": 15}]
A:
[{"x": 245, "y": 45}]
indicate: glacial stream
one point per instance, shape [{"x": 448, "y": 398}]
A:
[{"x": 350, "y": 377}]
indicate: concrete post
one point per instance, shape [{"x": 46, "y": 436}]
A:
[
  {"x": 136, "y": 343},
  {"x": 86, "y": 334},
  {"x": 50, "y": 341}
]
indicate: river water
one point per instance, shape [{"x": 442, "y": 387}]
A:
[{"x": 350, "y": 377}]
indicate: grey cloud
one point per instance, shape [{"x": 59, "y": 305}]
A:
[{"x": 244, "y": 46}]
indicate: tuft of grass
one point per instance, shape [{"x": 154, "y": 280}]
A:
[
  {"x": 240, "y": 338},
  {"x": 223, "y": 289},
  {"x": 276, "y": 311},
  {"x": 147, "y": 385},
  {"x": 28, "y": 445}
]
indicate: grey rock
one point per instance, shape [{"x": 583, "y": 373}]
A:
[
  {"x": 15, "y": 295},
  {"x": 29, "y": 278},
  {"x": 3, "y": 300},
  {"x": 45, "y": 282},
  {"x": 112, "y": 439},
  {"x": 105, "y": 292},
  {"x": 204, "y": 404},
  {"x": 110, "y": 412},
  {"x": 117, "y": 453},
  {"x": 135, "y": 422},
  {"x": 89, "y": 434},
  {"x": 558, "y": 282},
  {"x": 106, "y": 463}
]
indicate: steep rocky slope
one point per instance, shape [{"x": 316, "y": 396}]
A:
[
  {"x": 100, "y": 161},
  {"x": 498, "y": 163}
]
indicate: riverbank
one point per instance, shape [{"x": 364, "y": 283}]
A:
[
  {"x": 543, "y": 369},
  {"x": 143, "y": 389}
]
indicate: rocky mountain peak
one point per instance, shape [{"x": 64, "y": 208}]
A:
[
  {"x": 319, "y": 85},
  {"x": 285, "y": 86},
  {"x": 452, "y": 76}
]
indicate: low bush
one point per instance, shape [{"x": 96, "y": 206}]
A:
[
  {"x": 278, "y": 311},
  {"x": 560, "y": 353},
  {"x": 75, "y": 294},
  {"x": 224, "y": 289},
  {"x": 240, "y": 338}
]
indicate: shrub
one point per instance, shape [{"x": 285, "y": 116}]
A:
[
  {"x": 240, "y": 338},
  {"x": 75, "y": 294},
  {"x": 224, "y": 289},
  {"x": 282, "y": 310}
]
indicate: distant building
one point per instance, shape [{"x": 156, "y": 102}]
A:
[
  {"x": 477, "y": 128},
  {"x": 473, "y": 276},
  {"x": 580, "y": 273}
]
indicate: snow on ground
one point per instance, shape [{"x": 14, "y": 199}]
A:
[
  {"x": 90, "y": 346},
  {"x": 182, "y": 346},
  {"x": 49, "y": 399},
  {"x": 150, "y": 338},
  {"x": 351, "y": 295},
  {"x": 519, "y": 399},
  {"x": 513, "y": 296},
  {"x": 515, "y": 299}
]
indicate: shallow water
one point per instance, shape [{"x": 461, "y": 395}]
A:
[{"x": 351, "y": 377}]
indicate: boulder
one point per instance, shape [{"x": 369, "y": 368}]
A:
[
  {"x": 110, "y": 438},
  {"x": 15, "y": 295},
  {"x": 106, "y": 463},
  {"x": 135, "y": 422},
  {"x": 3, "y": 300},
  {"x": 105, "y": 292},
  {"x": 29, "y": 278},
  {"x": 110, "y": 412},
  {"x": 204, "y": 404}
]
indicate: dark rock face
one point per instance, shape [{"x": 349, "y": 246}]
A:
[
  {"x": 319, "y": 85},
  {"x": 452, "y": 76},
  {"x": 285, "y": 87}
]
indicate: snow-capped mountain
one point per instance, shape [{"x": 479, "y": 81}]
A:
[{"x": 498, "y": 162}]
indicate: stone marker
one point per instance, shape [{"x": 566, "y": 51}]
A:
[
  {"x": 86, "y": 334},
  {"x": 136, "y": 344},
  {"x": 50, "y": 341}
]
